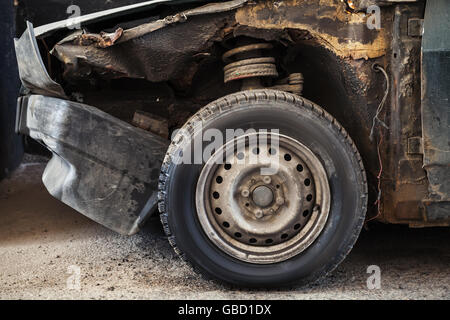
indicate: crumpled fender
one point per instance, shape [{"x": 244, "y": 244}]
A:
[{"x": 101, "y": 166}]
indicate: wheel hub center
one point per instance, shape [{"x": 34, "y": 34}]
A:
[{"x": 262, "y": 196}]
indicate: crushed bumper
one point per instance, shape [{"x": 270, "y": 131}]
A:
[{"x": 101, "y": 166}]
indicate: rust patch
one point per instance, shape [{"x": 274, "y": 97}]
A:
[
  {"x": 102, "y": 40},
  {"x": 344, "y": 33}
]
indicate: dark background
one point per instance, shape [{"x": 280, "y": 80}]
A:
[
  {"x": 45, "y": 11},
  {"x": 11, "y": 146}
]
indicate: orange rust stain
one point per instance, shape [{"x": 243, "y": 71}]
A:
[{"x": 346, "y": 45}]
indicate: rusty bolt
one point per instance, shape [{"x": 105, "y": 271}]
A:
[
  {"x": 259, "y": 214},
  {"x": 267, "y": 180}
]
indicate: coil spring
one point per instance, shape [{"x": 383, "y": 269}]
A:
[{"x": 248, "y": 67}]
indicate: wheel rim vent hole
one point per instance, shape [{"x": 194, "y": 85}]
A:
[{"x": 240, "y": 155}]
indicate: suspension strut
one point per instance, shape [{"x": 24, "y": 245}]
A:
[{"x": 247, "y": 64}]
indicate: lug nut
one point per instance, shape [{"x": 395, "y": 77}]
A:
[
  {"x": 267, "y": 180},
  {"x": 259, "y": 214},
  {"x": 280, "y": 201},
  {"x": 245, "y": 193}
]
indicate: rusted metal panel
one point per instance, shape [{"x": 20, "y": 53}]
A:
[
  {"x": 404, "y": 183},
  {"x": 344, "y": 33},
  {"x": 362, "y": 5}
]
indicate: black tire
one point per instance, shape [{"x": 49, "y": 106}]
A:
[{"x": 327, "y": 139}]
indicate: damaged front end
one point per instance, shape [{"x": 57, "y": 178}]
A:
[
  {"x": 101, "y": 166},
  {"x": 155, "y": 63}
]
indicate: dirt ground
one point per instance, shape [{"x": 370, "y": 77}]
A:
[{"x": 43, "y": 242}]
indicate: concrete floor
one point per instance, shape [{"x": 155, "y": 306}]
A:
[{"x": 41, "y": 238}]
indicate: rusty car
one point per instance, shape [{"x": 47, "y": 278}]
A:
[{"x": 354, "y": 92}]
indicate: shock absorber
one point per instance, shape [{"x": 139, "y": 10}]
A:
[{"x": 249, "y": 65}]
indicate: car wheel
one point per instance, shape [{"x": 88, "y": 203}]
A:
[{"x": 290, "y": 217}]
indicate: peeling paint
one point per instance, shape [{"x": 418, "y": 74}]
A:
[{"x": 344, "y": 33}]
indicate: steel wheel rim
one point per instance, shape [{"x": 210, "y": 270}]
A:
[{"x": 257, "y": 219}]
